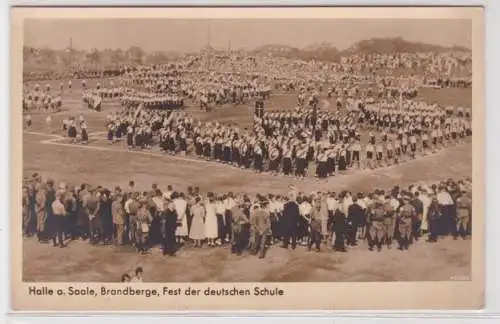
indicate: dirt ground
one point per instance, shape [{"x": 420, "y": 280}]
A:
[{"x": 103, "y": 164}]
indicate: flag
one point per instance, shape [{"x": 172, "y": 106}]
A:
[
  {"x": 314, "y": 116},
  {"x": 400, "y": 99},
  {"x": 138, "y": 110},
  {"x": 170, "y": 117},
  {"x": 97, "y": 103}
]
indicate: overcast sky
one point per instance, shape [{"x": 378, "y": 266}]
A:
[{"x": 192, "y": 34}]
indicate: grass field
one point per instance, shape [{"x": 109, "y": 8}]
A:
[{"x": 103, "y": 164}]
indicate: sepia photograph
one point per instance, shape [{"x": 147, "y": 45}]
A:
[{"x": 238, "y": 150}]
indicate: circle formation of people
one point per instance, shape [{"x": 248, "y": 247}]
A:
[{"x": 293, "y": 142}]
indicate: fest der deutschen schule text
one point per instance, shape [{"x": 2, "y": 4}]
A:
[{"x": 154, "y": 292}]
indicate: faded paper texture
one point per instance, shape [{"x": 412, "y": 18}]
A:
[{"x": 93, "y": 70}]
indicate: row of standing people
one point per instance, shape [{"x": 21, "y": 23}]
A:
[{"x": 171, "y": 219}]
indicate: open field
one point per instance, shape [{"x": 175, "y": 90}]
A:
[
  {"x": 82, "y": 263},
  {"x": 110, "y": 165}
]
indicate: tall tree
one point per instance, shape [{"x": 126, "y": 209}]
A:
[
  {"x": 117, "y": 57},
  {"x": 94, "y": 57},
  {"x": 47, "y": 57},
  {"x": 157, "y": 58},
  {"x": 135, "y": 54}
]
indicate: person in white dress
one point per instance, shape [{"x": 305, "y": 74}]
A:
[
  {"x": 197, "y": 231},
  {"x": 220, "y": 211},
  {"x": 180, "y": 204},
  {"x": 426, "y": 201},
  {"x": 211, "y": 230}
]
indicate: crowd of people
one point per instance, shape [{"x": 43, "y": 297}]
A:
[
  {"x": 293, "y": 142},
  {"x": 376, "y": 122},
  {"x": 371, "y": 127},
  {"x": 173, "y": 219},
  {"x": 78, "y": 72},
  {"x": 210, "y": 79},
  {"x": 203, "y": 88},
  {"x": 38, "y": 99}
]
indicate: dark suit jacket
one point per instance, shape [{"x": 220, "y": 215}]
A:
[
  {"x": 291, "y": 214},
  {"x": 339, "y": 221},
  {"x": 355, "y": 214}
]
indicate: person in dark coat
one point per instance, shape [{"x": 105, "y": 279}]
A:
[
  {"x": 239, "y": 219},
  {"x": 71, "y": 208},
  {"x": 355, "y": 217},
  {"x": 82, "y": 217},
  {"x": 289, "y": 222},
  {"x": 433, "y": 218},
  {"x": 339, "y": 226},
  {"x": 169, "y": 228},
  {"x": 72, "y": 129},
  {"x": 106, "y": 217},
  {"x": 92, "y": 205},
  {"x": 85, "y": 135},
  {"x": 50, "y": 196}
]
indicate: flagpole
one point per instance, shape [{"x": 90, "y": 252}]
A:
[
  {"x": 70, "y": 53},
  {"x": 400, "y": 99}
]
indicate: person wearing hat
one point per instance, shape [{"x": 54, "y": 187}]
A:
[
  {"x": 339, "y": 226},
  {"x": 376, "y": 216},
  {"x": 71, "y": 206},
  {"x": 290, "y": 220},
  {"x": 314, "y": 226},
  {"x": 92, "y": 206},
  {"x": 169, "y": 227},
  {"x": 433, "y": 217},
  {"x": 389, "y": 221},
  {"x": 26, "y": 210},
  {"x": 118, "y": 214},
  {"x": 260, "y": 223},
  {"x": 239, "y": 220},
  {"x": 464, "y": 213},
  {"x": 43, "y": 209},
  {"x": 82, "y": 221},
  {"x": 419, "y": 209},
  {"x": 407, "y": 213},
  {"x": 106, "y": 216},
  {"x": 144, "y": 220}
]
